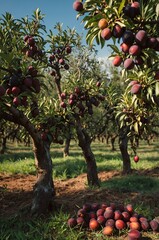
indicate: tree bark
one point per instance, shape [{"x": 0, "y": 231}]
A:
[
  {"x": 85, "y": 145},
  {"x": 44, "y": 191},
  {"x": 113, "y": 137},
  {"x": 4, "y": 146},
  {"x": 123, "y": 145},
  {"x": 67, "y": 146}
]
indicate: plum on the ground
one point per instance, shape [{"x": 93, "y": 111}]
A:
[
  {"x": 108, "y": 230},
  {"x": 120, "y": 224},
  {"x": 72, "y": 222},
  {"x": 134, "y": 235}
]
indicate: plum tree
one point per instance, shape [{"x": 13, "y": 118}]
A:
[
  {"x": 82, "y": 94},
  {"x": 24, "y": 83},
  {"x": 139, "y": 39}
]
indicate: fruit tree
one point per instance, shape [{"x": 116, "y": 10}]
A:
[
  {"x": 26, "y": 91},
  {"x": 133, "y": 27}
]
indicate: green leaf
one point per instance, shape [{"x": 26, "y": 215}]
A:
[
  {"x": 157, "y": 89},
  {"x": 121, "y": 24},
  {"x": 115, "y": 48},
  {"x": 149, "y": 90},
  {"x": 110, "y": 3},
  {"x": 122, "y": 4},
  {"x": 136, "y": 128},
  {"x": 157, "y": 10},
  {"x": 7, "y": 57},
  {"x": 92, "y": 35}
]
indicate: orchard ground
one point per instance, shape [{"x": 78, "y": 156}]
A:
[{"x": 141, "y": 189}]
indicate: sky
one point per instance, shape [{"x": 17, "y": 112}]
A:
[{"x": 54, "y": 10}]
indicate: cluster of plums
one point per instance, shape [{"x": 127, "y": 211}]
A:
[
  {"x": 136, "y": 86},
  {"x": 54, "y": 137},
  {"x": 133, "y": 43},
  {"x": 17, "y": 87},
  {"x": 31, "y": 48},
  {"x": 57, "y": 58},
  {"x": 132, "y": 46},
  {"x": 111, "y": 218},
  {"x": 52, "y": 134},
  {"x": 81, "y": 101}
]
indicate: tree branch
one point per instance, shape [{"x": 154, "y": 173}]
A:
[{"x": 18, "y": 117}]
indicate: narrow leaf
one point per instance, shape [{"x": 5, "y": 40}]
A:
[
  {"x": 122, "y": 4},
  {"x": 136, "y": 127},
  {"x": 157, "y": 10},
  {"x": 157, "y": 89}
]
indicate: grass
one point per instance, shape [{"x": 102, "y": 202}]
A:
[
  {"x": 20, "y": 159},
  {"x": 133, "y": 183}
]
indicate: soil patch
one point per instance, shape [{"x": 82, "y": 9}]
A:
[{"x": 16, "y": 192}]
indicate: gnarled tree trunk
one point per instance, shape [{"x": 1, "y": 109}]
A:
[
  {"x": 85, "y": 144},
  {"x": 44, "y": 190},
  {"x": 123, "y": 145}
]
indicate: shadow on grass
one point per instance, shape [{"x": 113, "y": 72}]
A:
[
  {"x": 13, "y": 157},
  {"x": 132, "y": 183},
  {"x": 154, "y": 159},
  {"x": 73, "y": 168}
]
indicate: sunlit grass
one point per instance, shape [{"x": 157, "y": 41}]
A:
[
  {"x": 20, "y": 166},
  {"x": 20, "y": 159}
]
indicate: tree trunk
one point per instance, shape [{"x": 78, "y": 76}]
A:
[
  {"x": 107, "y": 139},
  {"x": 112, "y": 143},
  {"x": 43, "y": 191},
  {"x": 44, "y": 188},
  {"x": 4, "y": 145},
  {"x": 67, "y": 146},
  {"x": 113, "y": 137},
  {"x": 85, "y": 144},
  {"x": 123, "y": 144}
]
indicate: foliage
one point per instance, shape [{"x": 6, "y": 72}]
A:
[{"x": 135, "y": 111}]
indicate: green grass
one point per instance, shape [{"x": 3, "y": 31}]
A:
[
  {"x": 20, "y": 159},
  {"x": 133, "y": 183},
  {"x": 20, "y": 166}
]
